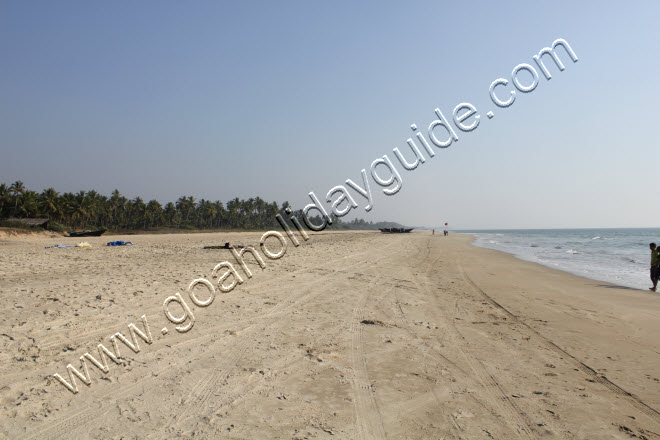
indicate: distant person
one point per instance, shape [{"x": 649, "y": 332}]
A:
[
  {"x": 433, "y": 232},
  {"x": 655, "y": 266}
]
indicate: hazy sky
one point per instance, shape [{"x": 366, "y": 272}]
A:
[{"x": 278, "y": 99}]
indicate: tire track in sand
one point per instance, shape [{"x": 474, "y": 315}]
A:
[
  {"x": 651, "y": 412},
  {"x": 86, "y": 413},
  {"x": 489, "y": 383},
  {"x": 369, "y": 419},
  {"x": 205, "y": 388}
]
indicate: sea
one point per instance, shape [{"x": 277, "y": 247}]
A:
[{"x": 618, "y": 256}]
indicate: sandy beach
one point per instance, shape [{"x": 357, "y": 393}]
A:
[{"x": 352, "y": 335}]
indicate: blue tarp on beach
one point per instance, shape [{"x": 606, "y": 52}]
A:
[{"x": 120, "y": 243}]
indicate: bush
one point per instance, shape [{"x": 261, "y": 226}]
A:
[
  {"x": 56, "y": 227},
  {"x": 14, "y": 224}
]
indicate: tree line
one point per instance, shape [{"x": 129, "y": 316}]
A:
[{"x": 90, "y": 209}]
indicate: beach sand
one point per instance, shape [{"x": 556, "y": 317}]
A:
[{"x": 352, "y": 335}]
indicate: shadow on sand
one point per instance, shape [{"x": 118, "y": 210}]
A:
[{"x": 612, "y": 286}]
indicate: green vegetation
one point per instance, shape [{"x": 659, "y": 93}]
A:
[
  {"x": 89, "y": 209},
  {"x": 13, "y": 224}
]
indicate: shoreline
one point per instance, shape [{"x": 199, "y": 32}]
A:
[{"x": 548, "y": 266}]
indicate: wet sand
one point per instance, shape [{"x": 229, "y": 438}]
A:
[{"x": 352, "y": 335}]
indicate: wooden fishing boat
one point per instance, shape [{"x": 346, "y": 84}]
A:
[
  {"x": 394, "y": 230},
  {"x": 86, "y": 233}
]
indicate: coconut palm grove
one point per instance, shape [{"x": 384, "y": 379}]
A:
[{"x": 90, "y": 209}]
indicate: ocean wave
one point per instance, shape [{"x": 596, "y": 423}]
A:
[{"x": 618, "y": 256}]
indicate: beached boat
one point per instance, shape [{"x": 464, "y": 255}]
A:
[
  {"x": 394, "y": 230},
  {"x": 86, "y": 233}
]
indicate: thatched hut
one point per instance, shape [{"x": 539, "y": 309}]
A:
[{"x": 32, "y": 222}]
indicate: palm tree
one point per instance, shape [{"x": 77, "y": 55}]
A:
[
  {"x": 137, "y": 212},
  {"x": 114, "y": 205},
  {"x": 208, "y": 212},
  {"x": 30, "y": 204},
  {"x": 94, "y": 205},
  {"x": 170, "y": 213},
  {"x": 81, "y": 208},
  {"x": 185, "y": 205},
  {"x": 221, "y": 213},
  {"x": 154, "y": 212},
  {"x": 67, "y": 208},
  {"x": 15, "y": 190},
  {"x": 232, "y": 207},
  {"x": 4, "y": 200},
  {"x": 181, "y": 208},
  {"x": 49, "y": 201}
]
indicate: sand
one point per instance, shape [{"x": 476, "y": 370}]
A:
[{"x": 353, "y": 335}]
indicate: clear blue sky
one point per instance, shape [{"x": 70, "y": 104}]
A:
[{"x": 277, "y": 99}]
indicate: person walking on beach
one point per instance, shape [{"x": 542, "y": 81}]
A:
[{"x": 655, "y": 266}]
